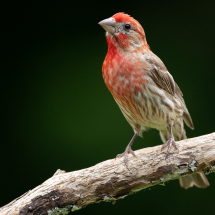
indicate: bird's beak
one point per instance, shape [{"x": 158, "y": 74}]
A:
[{"x": 109, "y": 25}]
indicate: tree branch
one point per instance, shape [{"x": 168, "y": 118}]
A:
[{"x": 111, "y": 180}]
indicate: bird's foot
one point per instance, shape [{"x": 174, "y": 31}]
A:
[
  {"x": 169, "y": 144},
  {"x": 125, "y": 154}
]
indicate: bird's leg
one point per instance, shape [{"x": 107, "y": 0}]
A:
[
  {"x": 128, "y": 150},
  {"x": 170, "y": 142}
]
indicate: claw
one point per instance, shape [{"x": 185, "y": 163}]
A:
[
  {"x": 169, "y": 143},
  {"x": 128, "y": 150},
  {"x": 125, "y": 154}
]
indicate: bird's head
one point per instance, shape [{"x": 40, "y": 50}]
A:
[{"x": 124, "y": 32}]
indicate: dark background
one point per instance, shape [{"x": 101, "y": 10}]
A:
[{"x": 58, "y": 113}]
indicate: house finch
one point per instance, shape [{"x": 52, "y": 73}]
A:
[{"x": 144, "y": 90}]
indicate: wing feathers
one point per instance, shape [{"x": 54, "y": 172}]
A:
[{"x": 164, "y": 79}]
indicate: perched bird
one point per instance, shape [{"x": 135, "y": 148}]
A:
[{"x": 144, "y": 90}]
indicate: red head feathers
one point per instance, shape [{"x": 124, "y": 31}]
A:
[{"x": 124, "y": 32}]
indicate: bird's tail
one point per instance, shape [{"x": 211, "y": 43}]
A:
[{"x": 197, "y": 179}]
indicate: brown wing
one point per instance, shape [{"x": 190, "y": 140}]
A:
[{"x": 164, "y": 79}]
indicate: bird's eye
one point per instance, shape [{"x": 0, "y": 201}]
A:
[{"x": 127, "y": 26}]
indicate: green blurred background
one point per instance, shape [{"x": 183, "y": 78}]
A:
[{"x": 58, "y": 113}]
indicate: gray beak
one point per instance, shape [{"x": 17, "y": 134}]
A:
[{"x": 109, "y": 25}]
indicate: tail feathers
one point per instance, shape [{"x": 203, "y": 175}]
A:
[
  {"x": 197, "y": 179},
  {"x": 188, "y": 120}
]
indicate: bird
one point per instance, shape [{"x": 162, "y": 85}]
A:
[{"x": 144, "y": 90}]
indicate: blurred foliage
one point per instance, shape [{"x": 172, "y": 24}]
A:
[{"x": 58, "y": 113}]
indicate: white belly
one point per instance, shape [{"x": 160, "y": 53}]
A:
[{"x": 153, "y": 108}]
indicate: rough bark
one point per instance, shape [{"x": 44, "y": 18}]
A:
[{"x": 111, "y": 180}]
